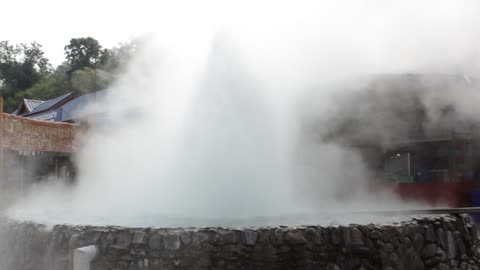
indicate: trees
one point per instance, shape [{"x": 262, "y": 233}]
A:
[
  {"x": 118, "y": 57},
  {"x": 21, "y": 66},
  {"x": 26, "y": 73},
  {"x": 83, "y": 53},
  {"x": 89, "y": 80},
  {"x": 50, "y": 86},
  {"x": 93, "y": 67}
]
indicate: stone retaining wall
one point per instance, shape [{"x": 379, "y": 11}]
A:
[{"x": 437, "y": 242}]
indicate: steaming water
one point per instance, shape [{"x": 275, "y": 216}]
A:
[
  {"x": 219, "y": 158},
  {"x": 218, "y": 154},
  {"x": 206, "y": 132},
  {"x": 154, "y": 220}
]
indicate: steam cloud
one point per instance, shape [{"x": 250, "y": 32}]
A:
[{"x": 251, "y": 117}]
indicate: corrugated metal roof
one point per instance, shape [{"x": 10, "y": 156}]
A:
[
  {"x": 50, "y": 103},
  {"x": 31, "y": 104}
]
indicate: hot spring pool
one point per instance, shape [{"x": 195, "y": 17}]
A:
[{"x": 131, "y": 219}]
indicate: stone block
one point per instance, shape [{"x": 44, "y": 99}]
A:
[
  {"x": 139, "y": 238},
  {"x": 249, "y": 238},
  {"x": 155, "y": 241},
  {"x": 295, "y": 238},
  {"x": 172, "y": 241},
  {"x": 429, "y": 250}
]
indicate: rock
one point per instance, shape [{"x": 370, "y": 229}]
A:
[
  {"x": 430, "y": 236},
  {"x": 387, "y": 237},
  {"x": 442, "y": 254},
  {"x": 356, "y": 237},
  {"x": 442, "y": 238},
  {"x": 454, "y": 263},
  {"x": 442, "y": 266},
  {"x": 418, "y": 241},
  {"x": 432, "y": 261},
  {"x": 394, "y": 259},
  {"x": 389, "y": 247},
  {"x": 156, "y": 241},
  {"x": 199, "y": 237},
  {"x": 384, "y": 258},
  {"x": 276, "y": 238},
  {"x": 412, "y": 261},
  {"x": 123, "y": 241},
  {"x": 139, "y": 238},
  {"x": 171, "y": 241},
  {"x": 463, "y": 266},
  {"x": 407, "y": 242},
  {"x": 336, "y": 236},
  {"x": 462, "y": 249},
  {"x": 401, "y": 250},
  {"x": 332, "y": 266},
  {"x": 369, "y": 243},
  {"x": 185, "y": 237},
  {"x": 228, "y": 236},
  {"x": 249, "y": 238},
  {"x": 74, "y": 242},
  {"x": 312, "y": 236},
  {"x": 134, "y": 267},
  {"x": 294, "y": 238},
  {"x": 138, "y": 252},
  {"x": 375, "y": 235},
  {"x": 451, "y": 246},
  {"x": 429, "y": 250}
]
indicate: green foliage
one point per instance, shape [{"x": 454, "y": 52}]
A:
[
  {"x": 89, "y": 80},
  {"x": 51, "y": 86},
  {"x": 26, "y": 73},
  {"x": 84, "y": 53},
  {"x": 21, "y": 66},
  {"x": 118, "y": 57}
]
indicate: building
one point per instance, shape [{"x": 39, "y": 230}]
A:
[
  {"x": 49, "y": 110},
  {"x": 409, "y": 131},
  {"x": 67, "y": 108}
]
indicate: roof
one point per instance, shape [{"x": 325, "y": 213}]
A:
[
  {"x": 46, "y": 105},
  {"x": 77, "y": 108},
  {"x": 32, "y": 104},
  {"x": 27, "y": 106}
]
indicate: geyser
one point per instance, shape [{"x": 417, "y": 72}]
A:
[{"x": 206, "y": 124}]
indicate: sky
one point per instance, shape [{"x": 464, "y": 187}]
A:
[{"x": 53, "y": 23}]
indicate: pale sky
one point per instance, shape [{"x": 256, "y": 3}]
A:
[
  {"x": 382, "y": 23},
  {"x": 53, "y": 23}
]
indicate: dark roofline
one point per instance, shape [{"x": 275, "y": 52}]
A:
[{"x": 69, "y": 97}]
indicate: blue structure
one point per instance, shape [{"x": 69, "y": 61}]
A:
[
  {"x": 82, "y": 107},
  {"x": 44, "y": 110},
  {"x": 66, "y": 108},
  {"x": 27, "y": 106}
]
